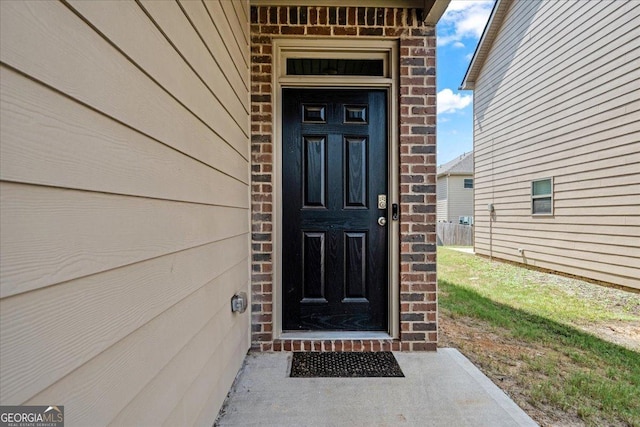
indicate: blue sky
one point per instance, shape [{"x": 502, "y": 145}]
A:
[{"x": 458, "y": 33}]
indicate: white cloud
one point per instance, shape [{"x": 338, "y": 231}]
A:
[
  {"x": 463, "y": 19},
  {"x": 458, "y": 44},
  {"x": 449, "y": 102},
  {"x": 468, "y": 56}
]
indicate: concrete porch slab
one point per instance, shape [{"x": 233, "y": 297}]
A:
[{"x": 439, "y": 389}]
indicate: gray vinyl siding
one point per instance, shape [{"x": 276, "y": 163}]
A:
[
  {"x": 124, "y": 232},
  {"x": 453, "y": 200},
  {"x": 559, "y": 97},
  {"x": 460, "y": 198}
]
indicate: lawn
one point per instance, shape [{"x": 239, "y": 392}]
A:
[{"x": 548, "y": 341}]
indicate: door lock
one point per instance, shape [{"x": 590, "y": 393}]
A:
[
  {"x": 382, "y": 221},
  {"x": 382, "y": 201}
]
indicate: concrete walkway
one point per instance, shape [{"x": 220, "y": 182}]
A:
[
  {"x": 439, "y": 389},
  {"x": 465, "y": 249}
]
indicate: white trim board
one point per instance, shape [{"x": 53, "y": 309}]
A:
[{"x": 375, "y": 49}]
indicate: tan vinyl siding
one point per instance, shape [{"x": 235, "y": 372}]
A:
[
  {"x": 559, "y": 97},
  {"x": 442, "y": 201},
  {"x": 124, "y": 181}
]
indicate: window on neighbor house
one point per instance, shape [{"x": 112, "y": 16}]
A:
[
  {"x": 468, "y": 183},
  {"x": 542, "y": 197}
]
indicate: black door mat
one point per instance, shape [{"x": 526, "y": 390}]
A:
[{"x": 345, "y": 364}]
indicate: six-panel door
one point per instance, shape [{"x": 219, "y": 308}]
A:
[{"x": 334, "y": 251}]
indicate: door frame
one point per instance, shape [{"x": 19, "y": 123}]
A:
[{"x": 387, "y": 50}]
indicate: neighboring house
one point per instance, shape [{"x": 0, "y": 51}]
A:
[
  {"x": 455, "y": 190},
  {"x": 557, "y": 137},
  {"x": 159, "y": 157}
]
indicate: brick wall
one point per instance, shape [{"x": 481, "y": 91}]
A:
[{"x": 417, "y": 104}]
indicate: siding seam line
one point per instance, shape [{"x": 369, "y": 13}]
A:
[
  {"x": 94, "y": 109},
  {"x": 235, "y": 236},
  {"x": 206, "y": 46},
  {"x": 175, "y": 48},
  {"x": 213, "y": 315},
  {"x": 135, "y": 64},
  {"x": 124, "y": 195}
]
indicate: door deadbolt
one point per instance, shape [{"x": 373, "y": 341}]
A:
[
  {"x": 382, "y": 221},
  {"x": 382, "y": 201}
]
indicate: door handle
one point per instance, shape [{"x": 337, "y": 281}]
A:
[{"x": 382, "y": 221}]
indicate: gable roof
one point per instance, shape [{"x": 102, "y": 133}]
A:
[
  {"x": 462, "y": 165},
  {"x": 484, "y": 45}
]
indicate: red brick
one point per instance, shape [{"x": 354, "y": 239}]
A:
[
  {"x": 322, "y": 16},
  {"x": 424, "y": 306},
  {"x": 412, "y": 41},
  {"x": 412, "y": 336},
  {"x": 269, "y": 29},
  {"x": 417, "y": 108},
  {"x": 323, "y": 31},
  {"x": 423, "y": 346},
  {"x": 389, "y": 18},
  {"x": 420, "y": 90},
  {"x": 291, "y": 30},
  {"x": 351, "y": 16},
  {"x": 262, "y": 15},
  {"x": 370, "y": 31},
  {"x": 345, "y": 31},
  {"x": 283, "y": 17}
]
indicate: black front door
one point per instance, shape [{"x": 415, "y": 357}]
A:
[{"x": 334, "y": 252}]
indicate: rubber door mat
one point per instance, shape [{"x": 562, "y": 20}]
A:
[{"x": 345, "y": 364}]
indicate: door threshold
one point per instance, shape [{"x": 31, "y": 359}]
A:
[{"x": 335, "y": 335}]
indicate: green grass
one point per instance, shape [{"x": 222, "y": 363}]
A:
[
  {"x": 561, "y": 367},
  {"x": 532, "y": 291}
]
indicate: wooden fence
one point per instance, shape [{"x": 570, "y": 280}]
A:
[{"x": 450, "y": 234}]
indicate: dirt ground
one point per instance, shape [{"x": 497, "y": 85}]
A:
[
  {"x": 626, "y": 334},
  {"x": 499, "y": 357}
]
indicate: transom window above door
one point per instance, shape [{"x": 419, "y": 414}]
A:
[
  {"x": 334, "y": 67},
  {"x": 331, "y": 60}
]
